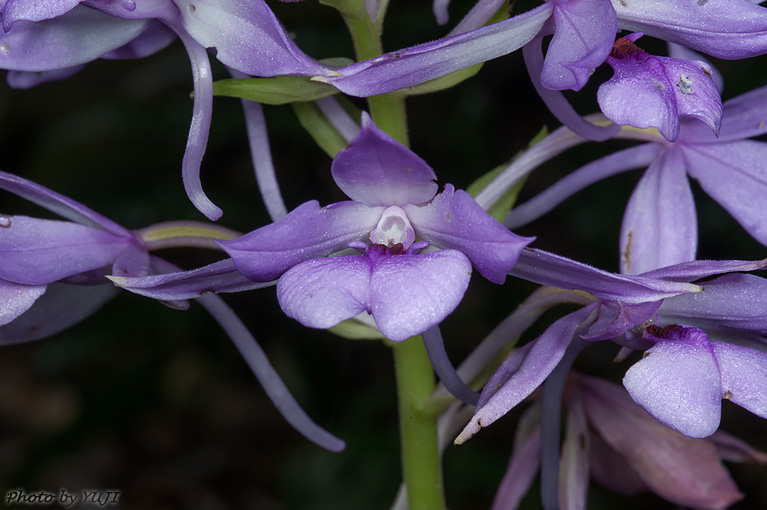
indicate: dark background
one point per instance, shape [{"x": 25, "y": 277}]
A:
[{"x": 158, "y": 404}]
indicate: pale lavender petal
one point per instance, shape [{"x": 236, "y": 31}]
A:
[
  {"x": 557, "y": 103},
  {"x": 564, "y": 188},
  {"x": 735, "y": 175},
  {"x": 681, "y": 469},
  {"x": 418, "y": 64},
  {"x": 678, "y": 383},
  {"x": 744, "y": 376},
  {"x": 659, "y": 226},
  {"x": 523, "y": 372},
  {"x": 439, "y": 8},
  {"x": 156, "y": 37},
  {"x": 134, "y": 260},
  {"x": 616, "y": 318},
  {"x": 548, "y": 269},
  {"x": 412, "y": 293},
  {"x": 733, "y": 449},
  {"x": 247, "y": 37},
  {"x": 36, "y": 251},
  {"x": 320, "y": 293},
  {"x": 17, "y": 298},
  {"x": 519, "y": 476},
  {"x": 306, "y": 232},
  {"x": 744, "y": 116},
  {"x": 454, "y": 220},
  {"x": 731, "y": 30},
  {"x": 61, "y": 307},
  {"x": 34, "y": 10},
  {"x": 338, "y": 117},
  {"x": 680, "y": 52},
  {"x": 179, "y": 285},
  {"x": 609, "y": 468},
  {"x": 584, "y": 35},
  {"x": 28, "y": 79},
  {"x": 479, "y": 15},
  {"x": 56, "y": 203},
  {"x": 695, "y": 269},
  {"x": 377, "y": 170},
  {"x": 202, "y": 113},
  {"x": 574, "y": 461},
  {"x": 435, "y": 348},
  {"x": 79, "y": 36}
]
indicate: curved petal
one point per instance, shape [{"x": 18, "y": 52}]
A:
[
  {"x": 17, "y": 298},
  {"x": 377, "y": 170},
  {"x": 79, "y": 36},
  {"x": 743, "y": 116},
  {"x": 412, "y": 293},
  {"x": 306, "y": 232},
  {"x": 660, "y": 227},
  {"x": 247, "y": 37},
  {"x": 731, "y": 30},
  {"x": 735, "y": 175},
  {"x": 435, "y": 348},
  {"x": 61, "y": 307},
  {"x": 27, "y": 79},
  {"x": 36, "y": 251},
  {"x": 156, "y": 37},
  {"x": 584, "y": 35},
  {"x": 744, "y": 376},
  {"x": 33, "y": 10},
  {"x": 678, "y": 383},
  {"x": 454, "y": 220}
]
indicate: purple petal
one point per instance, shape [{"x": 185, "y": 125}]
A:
[
  {"x": 61, "y": 307},
  {"x": 696, "y": 269},
  {"x": 479, "y": 15},
  {"x": 27, "y": 79},
  {"x": 523, "y": 372},
  {"x": 678, "y": 383},
  {"x": 38, "y": 251},
  {"x": 733, "y": 301},
  {"x": 732, "y": 30},
  {"x": 519, "y": 476},
  {"x": 175, "y": 286},
  {"x": 439, "y": 8},
  {"x": 377, "y": 170},
  {"x": 609, "y": 468},
  {"x": 306, "y": 232},
  {"x": 59, "y": 204},
  {"x": 648, "y": 91},
  {"x": 615, "y": 318},
  {"x": 418, "y": 64},
  {"x": 659, "y": 226},
  {"x": 744, "y": 376},
  {"x": 17, "y": 298},
  {"x": 34, "y": 10},
  {"x": 79, "y": 36},
  {"x": 548, "y": 269},
  {"x": 435, "y": 349},
  {"x": 744, "y": 116},
  {"x": 681, "y": 469},
  {"x": 574, "y": 460},
  {"x": 454, "y": 220},
  {"x": 247, "y": 37},
  {"x": 680, "y": 52},
  {"x": 733, "y": 449},
  {"x": 156, "y": 37},
  {"x": 743, "y": 189},
  {"x": 584, "y": 35}
]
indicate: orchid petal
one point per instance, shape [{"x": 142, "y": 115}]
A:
[
  {"x": 36, "y": 251},
  {"x": 695, "y": 269},
  {"x": 418, "y": 64},
  {"x": 523, "y": 372},
  {"x": 609, "y": 468},
  {"x": 584, "y": 35},
  {"x": 435, "y": 349},
  {"x": 681, "y": 53},
  {"x": 731, "y": 30},
  {"x": 454, "y": 220},
  {"x": 519, "y": 476},
  {"x": 744, "y": 376},
  {"x": 17, "y": 298},
  {"x": 574, "y": 460},
  {"x": 743, "y": 116},
  {"x": 439, "y": 8},
  {"x": 219, "y": 276},
  {"x": 377, "y": 170},
  {"x": 61, "y": 307},
  {"x": 730, "y": 302},
  {"x": 247, "y": 37},
  {"x": 479, "y": 15},
  {"x": 659, "y": 226},
  {"x": 678, "y": 383},
  {"x": 743, "y": 189},
  {"x": 15, "y": 10},
  {"x": 548, "y": 269},
  {"x": 79, "y": 36},
  {"x": 306, "y": 232},
  {"x": 27, "y": 79},
  {"x": 733, "y": 449},
  {"x": 156, "y": 37},
  {"x": 616, "y": 318},
  {"x": 681, "y": 469}
]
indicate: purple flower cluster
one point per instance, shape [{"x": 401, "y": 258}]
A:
[{"x": 395, "y": 259}]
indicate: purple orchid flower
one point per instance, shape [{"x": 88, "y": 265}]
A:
[
  {"x": 612, "y": 440},
  {"x": 659, "y": 225},
  {"x": 52, "y": 40},
  {"x": 394, "y": 204}
]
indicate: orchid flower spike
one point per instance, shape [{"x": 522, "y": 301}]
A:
[
  {"x": 52, "y": 40},
  {"x": 394, "y": 214}
]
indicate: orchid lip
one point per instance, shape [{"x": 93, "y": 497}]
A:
[{"x": 393, "y": 228}]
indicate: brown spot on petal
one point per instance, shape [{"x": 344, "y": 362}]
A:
[
  {"x": 626, "y": 254},
  {"x": 727, "y": 395},
  {"x": 5, "y": 221}
]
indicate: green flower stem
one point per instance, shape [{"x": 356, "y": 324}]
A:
[{"x": 418, "y": 428}]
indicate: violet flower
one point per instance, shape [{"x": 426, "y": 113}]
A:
[
  {"x": 659, "y": 225},
  {"x": 395, "y": 213},
  {"x": 612, "y": 440},
  {"x": 57, "y": 38}
]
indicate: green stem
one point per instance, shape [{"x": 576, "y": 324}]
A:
[{"x": 418, "y": 428}]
